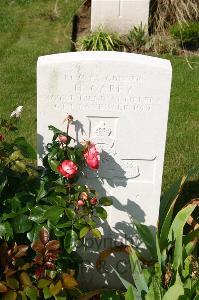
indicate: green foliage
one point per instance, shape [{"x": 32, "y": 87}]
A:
[
  {"x": 100, "y": 40},
  {"x": 172, "y": 271},
  {"x": 187, "y": 34},
  {"x": 138, "y": 38}
]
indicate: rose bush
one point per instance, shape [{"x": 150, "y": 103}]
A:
[{"x": 35, "y": 201}]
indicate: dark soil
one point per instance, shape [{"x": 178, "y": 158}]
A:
[{"x": 82, "y": 21}]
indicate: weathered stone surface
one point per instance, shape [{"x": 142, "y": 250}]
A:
[{"x": 119, "y": 15}]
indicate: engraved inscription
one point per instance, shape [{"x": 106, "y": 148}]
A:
[
  {"x": 88, "y": 91},
  {"x": 85, "y": 102}
]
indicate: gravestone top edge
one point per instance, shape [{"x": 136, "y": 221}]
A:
[{"x": 82, "y": 56}]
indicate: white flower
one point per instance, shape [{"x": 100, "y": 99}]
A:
[{"x": 17, "y": 112}]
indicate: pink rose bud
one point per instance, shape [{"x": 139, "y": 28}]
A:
[
  {"x": 84, "y": 196},
  {"x": 91, "y": 156},
  {"x": 1, "y": 137},
  {"x": 68, "y": 118},
  {"x": 68, "y": 169},
  {"x": 93, "y": 201},
  {"x": 80, "y": 203},
  {"x": 62, "y": 138}
]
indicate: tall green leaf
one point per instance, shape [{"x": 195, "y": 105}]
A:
[
  {"x": 168, "y": 200},
  {"x": 176, "y": 233},
  {"x": 127, "y": 285},
  {"x": 129, "y": 295},
  {"x": 147, "y": 237},
  {"x": 137, "y": 274},
  {"x": 154, "y": 292},
  {"x": 166, "y": 211}
]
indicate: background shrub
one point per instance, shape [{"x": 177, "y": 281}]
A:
[
  {"x": 164, "y": 13},
  {"x": 187, "y": 34},
  {"x": 100, "y": 40},
  {"x": 161, "y": 44},
  {"x": 138, "y": 38}
]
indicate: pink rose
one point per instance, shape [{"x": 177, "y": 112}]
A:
[
  {"x": 80, "y": 203},
  {"x": 62, "y": 138},
  {"x": 68, "y": 168},
  {"x": 91, "y": 156}
]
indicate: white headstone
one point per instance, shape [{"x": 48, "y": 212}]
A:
[
  {"x": 120, "y": 102},
  {"x": 119, "y": 15}
]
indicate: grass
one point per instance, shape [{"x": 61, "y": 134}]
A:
[
  {"x": 182, "y": 146},
  {"x": 30, "y": 28}
]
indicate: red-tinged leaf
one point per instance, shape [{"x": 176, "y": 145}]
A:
[
  {"x": 38, "y": 260},
  {"x": 38, "y": 246},
  {"x": 50, "y": 265},
  {"x": 44, "y": 235},
  {"x": 53, "y": 245},
  {"x": 21, "y": 251},
  {"x": 9, "y": 272},
  {"x": 50, "y": 256},
  {"x": 106, "y": 253}
]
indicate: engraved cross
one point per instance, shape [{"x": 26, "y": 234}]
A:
[{"x": 120, "y": 8}]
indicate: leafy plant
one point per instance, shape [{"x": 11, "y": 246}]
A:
[
  {"x": 18, "y": 179},
  {"x": 138, "y": 38},
  {"x": 38, "y": 204},
  {"x": 187, "y": 34},
  {"x": 100, "y": 40},
  {"x": 14, "y": 277},
  {"x": 172, "y": 271},
  {"x": 17, "y": 279}
]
